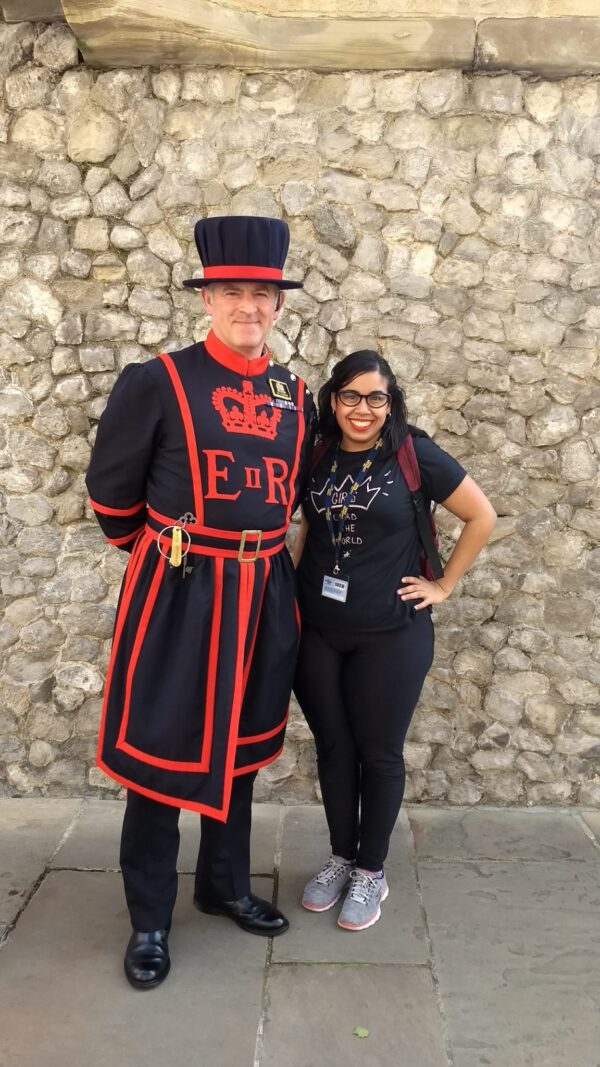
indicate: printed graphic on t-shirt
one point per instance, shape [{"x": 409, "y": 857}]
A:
[{"x": 361, "y": 500}]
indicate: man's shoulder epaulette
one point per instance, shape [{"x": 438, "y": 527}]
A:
[{"x": 284, "y": 382}]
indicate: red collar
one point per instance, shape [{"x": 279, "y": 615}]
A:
[{"x": 235, "y": 361}]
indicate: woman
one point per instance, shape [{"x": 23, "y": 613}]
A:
[{"x": 367, "y": 634}]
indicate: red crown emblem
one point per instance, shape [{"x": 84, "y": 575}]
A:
[{"x": 246, "y": 412}]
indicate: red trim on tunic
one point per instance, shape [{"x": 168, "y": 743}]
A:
[
  {"x": 126, "y": 538},
  {"x": 201, "y": 766},
  {"x": 135, "y": 563},
  {"x": 157, "y": 761},
  {"x": 299, "y": 440},
  {"x": 235, "y": 361},
  {"x": 265, "y": 736},
  {"x": 190, "y": 435},
  {"x": 229, "y": 270},
  {"x": 248, "y": 664},
  {"x": 104, "y": 510},
  {"x": 257, "y": 766},
  {"x": 173, "y": 802},
  {"x": 140, "y": 633},
  {"x": 211, "y": 531},
  {"x": 219, "y": 814},
  {"x": 246, "y": 585},
  {"x": 129, "y": 570},
  {"x": 213, "y": 662}
]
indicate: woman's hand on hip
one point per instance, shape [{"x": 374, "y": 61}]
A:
[{"x": 424, "y": 591}]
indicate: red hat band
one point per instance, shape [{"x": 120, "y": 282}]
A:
[{"x": 241, "y": 271}]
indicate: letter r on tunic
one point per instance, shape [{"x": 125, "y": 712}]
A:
[{"x": 276, "y": 481}]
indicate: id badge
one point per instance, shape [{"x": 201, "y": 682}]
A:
[{"x": 335, "y": 588}]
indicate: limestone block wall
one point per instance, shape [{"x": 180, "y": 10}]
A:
[{"x": 450, "y": 220}]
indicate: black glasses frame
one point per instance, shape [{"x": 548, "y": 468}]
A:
[{"x": 362, "y": 396}]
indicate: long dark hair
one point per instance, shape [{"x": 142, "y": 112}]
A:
[{"x": 363, "y": 362}]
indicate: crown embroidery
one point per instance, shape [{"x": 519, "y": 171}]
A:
[{"x": 246, "y": 412}]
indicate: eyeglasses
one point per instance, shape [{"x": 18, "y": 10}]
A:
[{"x": 350, "y": 398}]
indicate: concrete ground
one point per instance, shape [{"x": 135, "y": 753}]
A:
[{"x": 487, "y": 952}]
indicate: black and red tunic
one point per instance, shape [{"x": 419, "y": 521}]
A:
[{"x": 203, "y": 653}]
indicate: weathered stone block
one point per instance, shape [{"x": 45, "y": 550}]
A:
[
  {"x": 93, "y": 135},
  {"x": 91, "y": 234},
  {"x": 552, "y": 47}
]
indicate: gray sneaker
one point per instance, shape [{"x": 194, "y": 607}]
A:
[
  {"x": 325, "y": 889},
  {"x": 362, "y": 906}
]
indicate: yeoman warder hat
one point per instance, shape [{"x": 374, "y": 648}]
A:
[{"x": 242, "y": 248}]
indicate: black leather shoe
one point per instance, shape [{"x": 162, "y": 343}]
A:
[
  {"x": 147, "y": 961},
  {"x": 252, "y": 914}
]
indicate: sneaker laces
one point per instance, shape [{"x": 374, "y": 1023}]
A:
[
  {"x": 332, "y": 870},
  {"x": 362, "y": 886}
]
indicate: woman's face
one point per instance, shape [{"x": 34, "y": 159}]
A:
[{"x": 362, "y": 423}]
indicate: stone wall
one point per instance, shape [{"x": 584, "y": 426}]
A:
[{"x": 452, "y": 221}]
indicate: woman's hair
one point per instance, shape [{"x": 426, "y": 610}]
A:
[{"x": 363, "y": 362}]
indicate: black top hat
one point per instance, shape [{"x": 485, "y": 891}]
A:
[{"x": 242, "y": 248}]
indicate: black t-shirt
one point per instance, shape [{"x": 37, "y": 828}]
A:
[{"x": 380, "y": 544}]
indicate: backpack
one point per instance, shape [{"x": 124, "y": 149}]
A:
[{"x": 429, "y": 557}]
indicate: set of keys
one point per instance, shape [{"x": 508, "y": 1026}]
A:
[{"x": 178, "y": 553}]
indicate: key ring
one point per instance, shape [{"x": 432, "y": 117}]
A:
[{"x": 163, "y": 533}]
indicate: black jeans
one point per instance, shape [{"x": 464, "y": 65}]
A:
[
  {"x": 149, "y": 848},
  {"x": 358, "y": 692}
]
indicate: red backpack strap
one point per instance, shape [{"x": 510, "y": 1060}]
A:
[{"x": 407, "y": 460}]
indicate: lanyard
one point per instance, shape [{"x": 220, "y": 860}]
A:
[{"x": 336, "y": 539}]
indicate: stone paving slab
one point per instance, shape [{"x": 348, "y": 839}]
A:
[
  {"x": 442, "y": 834},
  {"x": 94, "y": 842},
  {"x": 399, "y": 935},
  {"x": 65, "y": 1001},
  {"x": 31, "y": 829},
  {"x": 592, "y": 818},
  {"x": 517, "y": 952},
  {"x": 314, "y": 1010}
]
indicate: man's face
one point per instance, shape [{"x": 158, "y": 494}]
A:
[{"x": 242, "y": 313}]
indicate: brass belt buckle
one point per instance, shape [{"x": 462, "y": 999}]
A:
[{"x": 245, "y": 534}]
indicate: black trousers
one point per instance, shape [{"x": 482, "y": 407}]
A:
[
  {"x": 150, "y": 845},
  {"x": 358, "y": 692}
]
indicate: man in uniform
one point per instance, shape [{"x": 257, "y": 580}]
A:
[{"x": 196, "y": 471}]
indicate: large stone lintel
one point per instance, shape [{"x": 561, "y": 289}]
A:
[
  {"x": 552, "y": 47},
  {"x": 564, "y": 39},
  {"x": 128, "y": 32}
]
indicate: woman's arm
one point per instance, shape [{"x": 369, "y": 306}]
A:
[
  {"x": 471, "y": 505},
  {"x": 300, "y": 540}
]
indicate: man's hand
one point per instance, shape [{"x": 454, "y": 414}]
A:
[{"x": 420, "y": 589}]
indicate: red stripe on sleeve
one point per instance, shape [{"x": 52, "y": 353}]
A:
[
  {"x": 104, "y": 510},
  {"x": 128, "y": 537}
]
